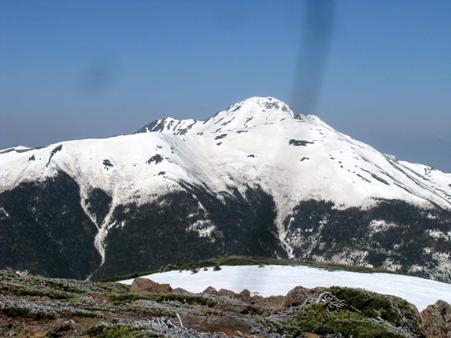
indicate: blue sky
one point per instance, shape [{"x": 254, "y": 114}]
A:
[{"x": 377, "y": 70}]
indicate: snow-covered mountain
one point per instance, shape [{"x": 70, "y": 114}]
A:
[{"x": 254, "y": 179}]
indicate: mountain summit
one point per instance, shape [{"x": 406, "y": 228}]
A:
[
  {"x": 254, "y": 179},
  {"x": 246, "y": 114}
]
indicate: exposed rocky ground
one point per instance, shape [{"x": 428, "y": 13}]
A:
[{"x": 34, "y": 306}]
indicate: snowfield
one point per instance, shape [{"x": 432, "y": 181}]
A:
[{"x": 274, "y": 280}]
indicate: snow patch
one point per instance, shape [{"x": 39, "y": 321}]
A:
[
  {"x": 380, "y": 225},
  {"x": 4, "y": 212},
  {"x": 437, "y": 234},
  {"x": 204, "y": 228},
  {"x": 273, "y": 280}
]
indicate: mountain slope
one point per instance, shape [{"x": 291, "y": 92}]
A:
[{"x": 254, "y": 179}]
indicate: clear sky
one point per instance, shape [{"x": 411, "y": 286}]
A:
[{"x": 378, "y": 70}]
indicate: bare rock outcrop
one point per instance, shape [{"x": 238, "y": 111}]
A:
[
  {"x": 436, "y": 320},
  {"x": 140, "y": 285}
]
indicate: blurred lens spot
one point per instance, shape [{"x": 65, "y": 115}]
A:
[{"x": 316, "y": 32}]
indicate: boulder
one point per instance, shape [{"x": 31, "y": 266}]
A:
[
  {"x": 146, "y": 285},
  {"x": 274, "y": 303},
  {"x": 436, "y": 320},
  {"x": 210, "y": 291},
  {"x": 179, "y": 291},
  {"x": 245, "y": 294},
  {"x": 296, "y": 296},
  {"x": 227, "y": 293}
]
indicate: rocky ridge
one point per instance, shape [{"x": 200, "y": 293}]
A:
[{"x": 37, "y": 306}]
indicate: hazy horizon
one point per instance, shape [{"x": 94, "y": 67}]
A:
[{"x": 379, "y": 71}]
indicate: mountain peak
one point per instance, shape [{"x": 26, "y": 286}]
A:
[
  {"x": 264, "y": 103},
  {"x": 262, "y": 106},
  {"x": 251, "y": 112}
]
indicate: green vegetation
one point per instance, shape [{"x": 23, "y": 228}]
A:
[
  {"x": 390, "y": 308},
  {"x": 318, "y": 319},
  {"x": 164, "y": 297},
  {"x": 101, "y": 331},
  {"x": 353, "y": 313},
  {"x": 22, "y": 311},
  {"x": 52, "y": 294}
]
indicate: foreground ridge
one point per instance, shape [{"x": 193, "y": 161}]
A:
[{"x": 33, "y": 305}]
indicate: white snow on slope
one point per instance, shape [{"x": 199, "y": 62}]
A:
[
  {"x": 249, "y": 143},
  {"x": 258, "y": 141},
  {"x": 277, "y": 280}
]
